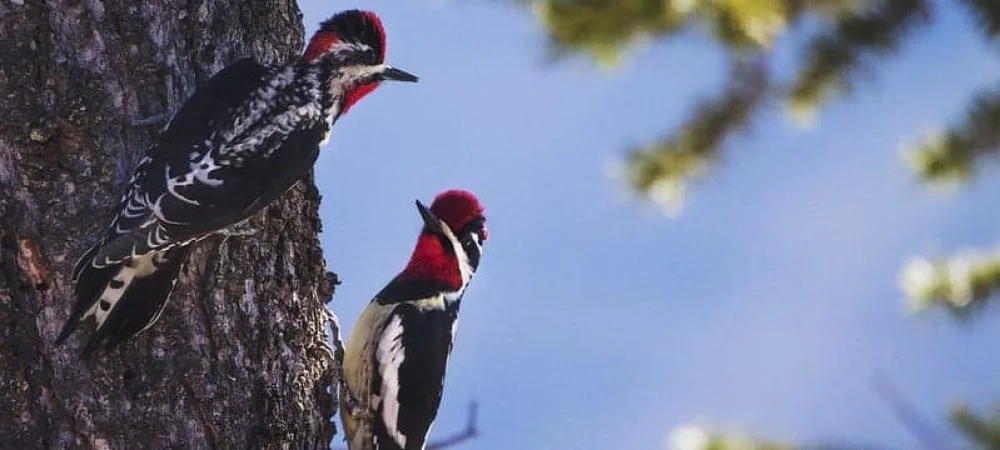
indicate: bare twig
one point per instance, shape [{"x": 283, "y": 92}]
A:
[
  {"x": 470, "y": 432},
  {"x": 906, "y": 413}
]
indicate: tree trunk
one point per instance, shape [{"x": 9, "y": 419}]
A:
[{"x": 240, "y": 357}]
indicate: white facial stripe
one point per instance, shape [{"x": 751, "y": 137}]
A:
[
  {"x": 359, "y": 71},
  {"x": 478, "y": 241},
  {"x": 390, "y": 354},
  {"x": 464, "y": 268}
]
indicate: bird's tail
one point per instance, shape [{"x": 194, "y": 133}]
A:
[{"x": 124, "y": 298}]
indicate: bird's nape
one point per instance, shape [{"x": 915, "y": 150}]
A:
[{"x": 352, "y": 28}]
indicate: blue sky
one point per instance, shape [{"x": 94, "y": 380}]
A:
[{"x": 597, "y": 323}]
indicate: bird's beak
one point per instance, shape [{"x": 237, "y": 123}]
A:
[
  {"x": 431, "y": 222},
  {"x": 393, "y": 74}
]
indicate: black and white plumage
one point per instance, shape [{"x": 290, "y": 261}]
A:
[
  {"x": 244, "y": 138},
  {"x": 397, "y": 354}
]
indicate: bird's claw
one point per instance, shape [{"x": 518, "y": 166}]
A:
[
  {"x": 240, "y": 229},
  {"x": 354, "y": 407}
]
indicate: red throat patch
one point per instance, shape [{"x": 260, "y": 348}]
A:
[
  {"x": 430, "y": 262},
  {"x": 356, "y": 94}
]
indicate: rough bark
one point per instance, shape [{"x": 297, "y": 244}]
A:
[{"x": 240, "y": 357}]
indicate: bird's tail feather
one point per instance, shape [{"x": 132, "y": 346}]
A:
[
  {"x": 125, "y": 298},
  {"x": 85, "y": 260},
  {"x": 90, "y": 282}
]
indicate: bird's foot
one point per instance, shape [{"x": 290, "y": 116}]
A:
[
  {"x": 354, "y": 407},
  {"x": 241, "y": 229}
]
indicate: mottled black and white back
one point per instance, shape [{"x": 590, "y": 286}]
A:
[
  {"x": 244, "y": 138},
  {"x": 239, "y": 142}
]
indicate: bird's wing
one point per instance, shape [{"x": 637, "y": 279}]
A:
[
  {"x": 410, "y": 358},
  {"x": 132, "y": 213},
  {"x": 194, "y": 181}
]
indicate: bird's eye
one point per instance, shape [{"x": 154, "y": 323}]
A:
[
  {"x": 350, "y": 54},
  {"x": 474, "y": 235},
  {"x": 474, "y": 238},
  {"x": 366, "y": 56}
]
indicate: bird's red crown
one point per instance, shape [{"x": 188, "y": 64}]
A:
[
  {"x": 457, "y": 208},
  {"x": 430, "y": 260},
  {"x": 353, "y": 26}
]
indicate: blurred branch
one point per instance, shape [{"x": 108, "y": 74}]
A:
[
  {"x": 691, "y": 437},
  {"x": 986, "y": 13},
  {"x": 749, "y": 24},
  {"x": 983, "y": 432},
  {"x": 906, "y": 413},
  {"x": 469, "y": 433},
  {"x": 603, "y": 28},
  {"x": 961, "y": 283},
  {"x": 662, "y": 170},
  {"x": 951, "y": 156},
  {"x": 824, "y": 8},
  {"x": 834, "y": 59}
]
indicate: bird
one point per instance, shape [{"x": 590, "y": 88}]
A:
[
  {"x": 241, "y": 140},
  {"x": 395, "y": 359}
]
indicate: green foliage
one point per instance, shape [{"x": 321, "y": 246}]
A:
[
  {"x": 952, "y": 155},
  {"x": 981, "y": 432},
  {"x": 848, "y": 40},
  {"x": 662, "y": 170},
  {"x": 833, "y": 58},
  {"x": 986, "y": 13},
  {"x": 690, "y": 437},
  {"x": 603, "y": 28},
  {"x": 960, "y": 284},
  {"x": 976, "y": 432}
]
